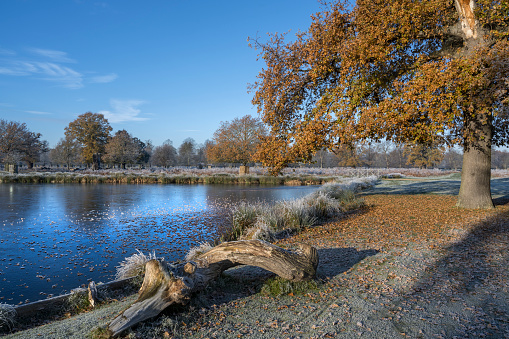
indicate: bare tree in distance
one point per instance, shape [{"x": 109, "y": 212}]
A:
[
  {"x": 66, "y": 152},
  {"x": 164, "y": 155},
  {"x": 187, "y": 152},
  {"x": 18, "y": 143},
  {"x": 122, "y": 149}
]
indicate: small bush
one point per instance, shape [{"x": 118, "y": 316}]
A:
[
  {"x": 260, "y": 230},
  {"x": 78, "y": 301},
  {"x": 322, "y": 206},
  {"x": 296, "y": 214},
  {"x": 100, "y": 333},
  {"x": 244, "y": 215}
]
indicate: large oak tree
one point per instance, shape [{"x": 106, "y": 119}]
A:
[
  {"x": 236, "y": 141},
  {"x": 418, "y": 71},
  {"x": 18, "y": 143},
  {"x": 92, "y": 131},
  {"x": 123, "y": 148}
]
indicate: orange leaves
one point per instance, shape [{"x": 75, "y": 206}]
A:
[
  {"x": 236, "y": 141},
  {"x": 385, "y": 69},
  {"x": 398, "y": 220},
  {"x": 91, "y": 130}
]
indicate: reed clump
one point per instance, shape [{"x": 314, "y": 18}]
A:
[
  {"x": 267, "y": 222},
  {"x": 134, "y": 265}
]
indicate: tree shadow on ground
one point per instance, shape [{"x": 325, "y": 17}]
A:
[
  {"x": 473, "y": 277},
  {"x": 334, "y": 261},
  {"x": 499, "y": 188},
  {"x": 450, "y": 187}
]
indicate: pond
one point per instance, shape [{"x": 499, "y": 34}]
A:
[{"x": 56, "y": 237}]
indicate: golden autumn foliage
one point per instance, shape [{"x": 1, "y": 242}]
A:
[
  {"x": 236, "y": 141},
  {"x": 92, "y": 131},
  {"x": 420, "y": 72}
]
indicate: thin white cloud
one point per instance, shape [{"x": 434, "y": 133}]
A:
[
  {"x": 102, "y": 79},
  {"x": 66, "y": 76},
  {"x": 16, "y": 68},
  {"x": 124, "y": 110},
  {"x": 48, "y": 65},
  {"x": 7, "y": 52},
  {"x": 55, "y": 56},
  {"x": 38, "y": 112}
]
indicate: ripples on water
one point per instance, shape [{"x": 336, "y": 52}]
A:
[{"x": 54, "y": 238}]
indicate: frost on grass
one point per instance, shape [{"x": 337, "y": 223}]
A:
[
  {"x": 262, "y": 221},
  {"x": 133, "y": 265},
  {"x": 352, "y": 184},
  {"x": 7, "y": 314},
  {"x": 260, "y": 230},
  {"x": 197, "y": 250}
]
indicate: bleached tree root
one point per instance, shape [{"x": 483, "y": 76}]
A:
[{"x": 165, "y": 284}]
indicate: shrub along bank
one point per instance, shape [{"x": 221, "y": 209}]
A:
[{"x": 161, "y": 178}]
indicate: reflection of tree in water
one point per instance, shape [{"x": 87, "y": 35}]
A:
[
  {"x": 90, "y": 205},
  {"x": 20, "y": 197}
]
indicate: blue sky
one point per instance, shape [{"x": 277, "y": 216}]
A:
[{"x": 159, "y": 69}]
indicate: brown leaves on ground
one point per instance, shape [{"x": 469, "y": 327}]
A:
[
  {"x": 406, "y": 265},
  {"x": 398, "y": 220}
]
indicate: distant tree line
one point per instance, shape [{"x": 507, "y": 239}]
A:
[
  {"x": 88, "y": 141},
  {"x": 391, "y": 155}
]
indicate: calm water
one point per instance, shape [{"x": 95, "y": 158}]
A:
[{"x": 54, "y": 237}]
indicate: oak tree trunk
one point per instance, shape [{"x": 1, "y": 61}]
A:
[
  {"x": 475, "y": 189},
  {"x": 165, "y": 284}
]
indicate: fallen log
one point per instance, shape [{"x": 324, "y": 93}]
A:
[{"x": 166, "y": 284}]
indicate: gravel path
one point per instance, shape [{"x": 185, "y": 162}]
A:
[{"x": 452, "y": 285}]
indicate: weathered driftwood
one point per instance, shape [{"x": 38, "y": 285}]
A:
[
  {"x": 92, "y": 294},
  {"x": 166, "y": 284}
]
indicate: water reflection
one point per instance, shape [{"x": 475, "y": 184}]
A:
[{"x": 56, "y": 237}]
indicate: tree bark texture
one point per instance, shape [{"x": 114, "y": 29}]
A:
[
  {"x": 165, "y": 284},
  {"x": 475, "y": 189}
]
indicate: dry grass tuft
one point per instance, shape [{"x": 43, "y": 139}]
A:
[
  {"x": 7, "y": 314},
  {"x": 198, "y": 250},
  {"x": 133, "y": 265}
]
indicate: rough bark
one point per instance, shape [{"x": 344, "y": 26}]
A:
[
  {"x": 475, "y": 189},
  {"x": 243, "y": 170},
  {"x": 165, "y": 285},
  {"x": 469, "y": 24},
  {"x": 92, "y": 294}
]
